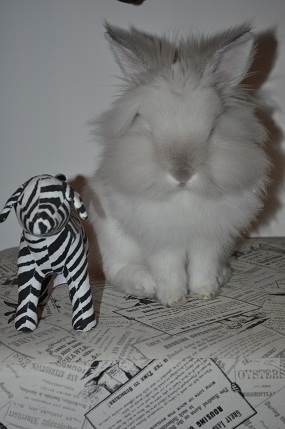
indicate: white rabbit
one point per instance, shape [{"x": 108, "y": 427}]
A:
[{"x": 182, "y": 170}]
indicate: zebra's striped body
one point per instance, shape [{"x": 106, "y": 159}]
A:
[{"x": 53, "y": 241}]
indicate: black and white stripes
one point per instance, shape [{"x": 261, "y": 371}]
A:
[{"x": 53, "y": 241}]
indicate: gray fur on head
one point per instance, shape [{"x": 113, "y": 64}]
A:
[{"x": 140, "y": 55}]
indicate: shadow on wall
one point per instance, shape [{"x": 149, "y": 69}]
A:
[{"x": 265, "y": 58}]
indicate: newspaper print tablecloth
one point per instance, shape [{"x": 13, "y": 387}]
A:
[{"x": 211, "y": 365}]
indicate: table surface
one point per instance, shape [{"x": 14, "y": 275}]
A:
[{"x": 213, "y": 364}]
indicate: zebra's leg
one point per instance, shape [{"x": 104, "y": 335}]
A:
[
  {"x": 43, "y": 298},
  {"x": 76, "y": 274},
  {"x": 29, "y": 289}
]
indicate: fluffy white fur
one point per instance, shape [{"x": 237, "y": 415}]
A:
[{"x": 182, "y": 169}]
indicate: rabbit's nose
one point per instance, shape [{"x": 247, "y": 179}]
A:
[
  {"x": 182, "y": 184},
  {"x": 182, "y": 176}
]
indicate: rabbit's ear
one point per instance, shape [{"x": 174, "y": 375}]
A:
[
  {"x": 133, "y": 50},
  {"x": 232, "y": 62}
]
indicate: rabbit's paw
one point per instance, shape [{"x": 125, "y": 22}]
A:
[
  {"x": 225, "y": 275},
  {"x": 175, "y": 298},
  {"x": 145, "y": 287},
  {"x": 134, "y": 279},
  {"x": 205, "y": 292}
]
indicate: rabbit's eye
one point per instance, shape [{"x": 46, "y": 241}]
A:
[{"x": 135, "y": 118}]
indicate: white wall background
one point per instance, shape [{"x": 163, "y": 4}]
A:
[{"x": 56, "y": 73}]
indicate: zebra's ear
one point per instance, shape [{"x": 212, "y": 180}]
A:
[
  {"x": 69, "y": 192},
  {"x": 78, "y": 204},
  {"x": 72, "y": 195},
  {"x": 10, "y": 204},
  {"x": 61, "y": 176}
]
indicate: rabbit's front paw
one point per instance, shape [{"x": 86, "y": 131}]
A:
[
  {"x": 225, "y": 275},
  {"x": 133, "y": 279},
  {"x": 172, "y": 298},
  {"x": 205, "y": 292},
  {"x": 145, "y": 286}
]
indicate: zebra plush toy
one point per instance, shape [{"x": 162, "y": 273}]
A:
[{"x": 53, "y": 241}]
